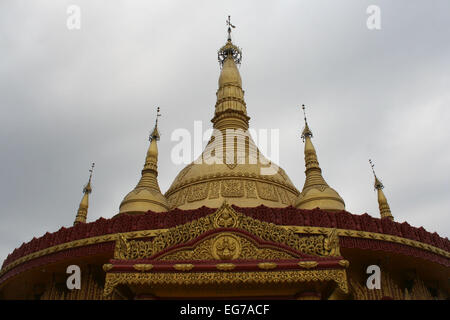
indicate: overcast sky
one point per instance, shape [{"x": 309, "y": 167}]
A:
[{"x": 72, "y": 97}]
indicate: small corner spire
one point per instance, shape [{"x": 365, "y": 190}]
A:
[
  {"x": 385, "y": 210},
  {"x": 147, "y": 194},
  {"x": 316, "y": 192},
  {"x": 84, "y": 204}
]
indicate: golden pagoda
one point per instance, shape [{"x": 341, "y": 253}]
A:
[{"x": 232, "y": 225}]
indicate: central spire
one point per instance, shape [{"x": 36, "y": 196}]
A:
[
  {"x": 230, "y": 109},
  {"x": 231, "y": 167}
]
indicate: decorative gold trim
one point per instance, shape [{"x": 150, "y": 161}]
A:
[
  {"x": 308, "y": 264},
  {"x": 143, "y": 267},
  {"x": 107, "y": 267},
  {"x": 317, "y": 245},
  {"x": 183, "y": 266},
  {"x": 225, "y": 266},
  {"x": 295, "y": 229},
  {"x": 267, "y": 265},
  {"x": 219, "y": 278},
  {"x": 219, "y": 176},
  {"x": 369, "y": 235},
  {"x": 344, "y": 263}
]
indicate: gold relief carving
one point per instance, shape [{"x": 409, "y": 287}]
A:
[
  {"x": 308, "y": 264},
  {"x": 267, "y": 265},
  {"x": 249, "y": 251},
  {"x": 332, "y": 243},
  {"x": 225, "y": 218},
  {"x": 122, "y": 248},
  {"x": 344, "y": 263},
  {"x": 182, "y": 197},
  {"x": 232, "y": 188},
  {"x": 251, "y": 189},
  {"x": 143, "y": 267},
  {"x": 225, "y": 266},
  {"x": 226, "y": 246},
  {"x": 107, "y": 267},
  {"x": 151, "y": 233},
  {"x": 266, "y": 191},
  {"x": 215, "y": 189},
  {"x": 197, "y": 192},
  {"x": 219, "y": 278},
  {"x": 318, "y": 245},
  {"x": 183, "y": 266},
  {"x": 283, "y": 195}
]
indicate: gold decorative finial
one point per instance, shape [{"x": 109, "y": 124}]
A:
[
  {"x": 155, "y": 132},
  {"x": 84, "y": 204},
  {"x": 229, "y": 27},
  {"x": 306, "y": 131},
  {"x": 88, "y": 188},
  {"x": 385, "y": 210},
  {"x": 229, "y": 50},
  {"x": 378, "y": 184}
]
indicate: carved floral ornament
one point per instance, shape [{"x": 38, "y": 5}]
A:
[
  {"x": 232, "y": 243},
  {"x": 228, "y": 245},
  {"x": 222, "y": 278}
]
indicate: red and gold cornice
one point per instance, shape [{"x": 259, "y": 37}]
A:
[{"x": 348, "y": 237}]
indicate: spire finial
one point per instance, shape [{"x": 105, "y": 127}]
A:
[
  {"x": 229, "y": 49},
  {"x": 378, "y": 184},
  {"x": 229, "y": 27},
  {"x": 84, "y": 204},
  {"x": 304, "y": 114},
  {"x": 155, "y": 133},
  {"x": 385, "y": 210},
  {"x": 306, "y": 131},
  {"x": 91, "y": 170},
  {"x": 87, "y": 188}
]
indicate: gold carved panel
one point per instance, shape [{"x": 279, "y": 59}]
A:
[
  {"x": 232, "y": 188},
  {"x": 266, "y": 191}
]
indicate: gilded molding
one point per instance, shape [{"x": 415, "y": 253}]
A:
[
  {"x": 225, "y": 266},
  {"x": 183, "y": 266},
  {"x": 267, "y": 265},
  {"x": 228, "y": 246},
  {"x": 234, "y": 278},
  {"x": 295, "y": 229},
  {"x": 107, "y": 267},
  {"x": 143, "y": 266},
  {"x": 344, "y": 263},
  {"x": 307, "y": 264}
]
